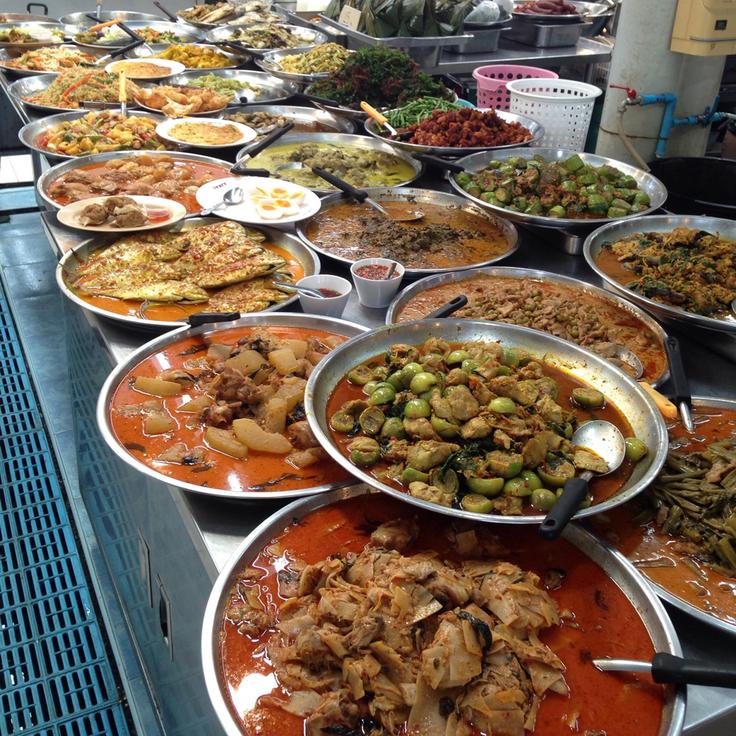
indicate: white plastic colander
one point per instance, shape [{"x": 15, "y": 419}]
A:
[{"x": 562, "y": 106}]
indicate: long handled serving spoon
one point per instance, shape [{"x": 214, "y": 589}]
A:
[
  {"x": 254, "y": 149},
  {"x": 667, "y": 668}
]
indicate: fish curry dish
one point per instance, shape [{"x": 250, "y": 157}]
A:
[{"x": 221, "y": 267}]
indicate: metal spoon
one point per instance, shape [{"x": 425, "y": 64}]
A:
[
  {"x": 605, "y": 440},
  {"x": 303, "y": 289},
  {"x": 231, "y": 197},
  {"x": 360, "y": 195},
  {"x": 631, "y": 359}
]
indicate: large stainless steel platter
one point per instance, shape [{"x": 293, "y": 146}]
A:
[
  {"x": 647, "y": 183},
  {"x": 419, "y": 197},
  {"x": 150, "y": 51},
  {"x": 81, "y": 19},
  {"x": 26, "y": 18},
  {"x": 535, "y": 128},
  {"x": 270, "y": 88},
  {"x": 28, "y": 86},
  {"x": 248, "y": 18},
  {"x": 51, "y": 175},
  {"x": 662, "y": 223},
  {"x": 67, "y": 268},
  {"x": 613, "y": 563},
  {"x": 30, "y": 131},
  {"x": 328, "y": 324},
  {"x": 7, "y": 56},
  {"x": 671, "y": 598},
  {"x": 303, "y": 115},
  {"x": 188, "y": 34},
  {"x": 626, "y": 394},
  {"x": 271, "y": 62},
  {"x": 528, "y": 274},
  {"x": 46, "y": 25},
  {"x": 343, "y": 140},
  {"x": 308, "y": 37}
]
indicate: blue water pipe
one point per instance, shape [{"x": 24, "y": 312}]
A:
[{"x": 669, "y": 120}]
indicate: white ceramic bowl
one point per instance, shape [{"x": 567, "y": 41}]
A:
[
  {"x": 331, "y": 306},
  {"x": 376, "y": 293}
]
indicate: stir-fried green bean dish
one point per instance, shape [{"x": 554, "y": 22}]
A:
[
  {"x": 475, "y": 426},
  {"x": 561, "y": 189},
  {"x": 694, "y": 498}
]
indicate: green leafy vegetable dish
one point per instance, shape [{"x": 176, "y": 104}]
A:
[
  {"x": 562, "y": 189},
  {"x": 473, "y": 425},
  {"x": 383, "y": 77}
]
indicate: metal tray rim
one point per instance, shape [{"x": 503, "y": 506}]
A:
[
  {"x": 340, "y": 124},
  {"x": 421, "y": 195},
  {"x": 168, "y": 338},
  {"x": 401, "y": 299},
  {"x": 93, "y": 243},
  {"x": 328, "y": 373},
  {"x": 535, "y": 128},
  {"x": 595, "y": 241},
  {"x": 477, "y": 161},
  {"x": 645, "y": 603}
]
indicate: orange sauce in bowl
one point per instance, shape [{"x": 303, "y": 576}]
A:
[
  {"x": 220, "y": 471},
  {"x": 605, "y": 624},
  {"x": 656, "y": 554}
]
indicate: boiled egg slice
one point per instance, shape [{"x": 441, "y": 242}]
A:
[
  {"x": 287, "y": 207},
  {"x": 267, "y": 209}
]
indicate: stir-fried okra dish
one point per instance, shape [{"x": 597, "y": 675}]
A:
[
  {"x": 563, "y": 189},
  {"x": 475, "y": 426}
]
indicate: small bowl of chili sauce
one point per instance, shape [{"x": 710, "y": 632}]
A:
[
  {"x": 374, "y": 289},
  {"x": 335, "y": 292}
]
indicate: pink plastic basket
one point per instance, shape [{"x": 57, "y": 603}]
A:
[{"x": 492, "y": 82}]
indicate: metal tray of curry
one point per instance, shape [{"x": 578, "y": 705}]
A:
[
  {"x": 200, "y": 265},
  {"x": 562, "y": 306},
  {"x": 478, "y": 449},
  {"x": 361, "y": 161},
  {"x": 218, "y": 409},
  {"x": 697, "y": 284},
  {"x": 583, "y": 599},
  {"x": 453, "y": 234},
  {"x": 680, "y": 533}
]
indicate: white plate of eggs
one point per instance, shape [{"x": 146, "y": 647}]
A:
[{"x": 266, "y": 201}]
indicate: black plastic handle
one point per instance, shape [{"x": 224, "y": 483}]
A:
[
  {"x": 441, "y": 163},
  {"x": 567, "y": 504},
  {"x": 451, "y": 307},
  {"x": 678, "y": 377},
  {"x": 253, "y": 149},
  {"x": 304, "y": 97},
  {"x": 166, "y": 11},
  {"x": 668, "y": 668},
  {"x": 359, "y": 195},
  {"x": 243, "y": 170},
  {"x": 38, "y": 5},
  {"x": 205, "y": 318},
  {"x": 125, "y": 49}
]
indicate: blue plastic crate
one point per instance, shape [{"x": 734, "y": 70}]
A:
[{"x": 55, "y": 675}]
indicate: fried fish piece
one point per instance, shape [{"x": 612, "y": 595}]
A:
[
  {"x": 146, "y": 288},
  {"x": 249, "y": 296}
]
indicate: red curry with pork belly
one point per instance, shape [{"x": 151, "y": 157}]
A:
[
  {"x": 226, "y": 410},
  {"x": 261, "y": 650}
]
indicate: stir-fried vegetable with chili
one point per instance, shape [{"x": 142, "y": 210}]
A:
[
  {"x": 568, "y": 189},
  {"x": 694, "y": 498},
  {"x": 691, "y": 269},
  {"x": 474, "y": 425}
]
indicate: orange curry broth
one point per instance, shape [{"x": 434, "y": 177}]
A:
[
  {"x": 652, "y": 356},
  {"x": 605, "y": 625},
  {"x": 601, "y": 488},
  {"x": 198, "y": 168},
  {"x": 177, "y": 312},
  {"x": 228, "y": 473},
  {"x": 703, "y": 588}
]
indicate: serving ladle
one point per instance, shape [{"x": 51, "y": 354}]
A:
[
  {"x": 604, "y": 440},
  {"x": 360, "y": 195}
]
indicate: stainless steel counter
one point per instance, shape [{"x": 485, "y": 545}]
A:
[{"x": 212, "y": 529}]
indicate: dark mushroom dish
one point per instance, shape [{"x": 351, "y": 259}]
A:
[
  {"x": 690, "y": 269},
  {"x": 474, "y": 425},
  {"x": 562, "y": 189}
]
